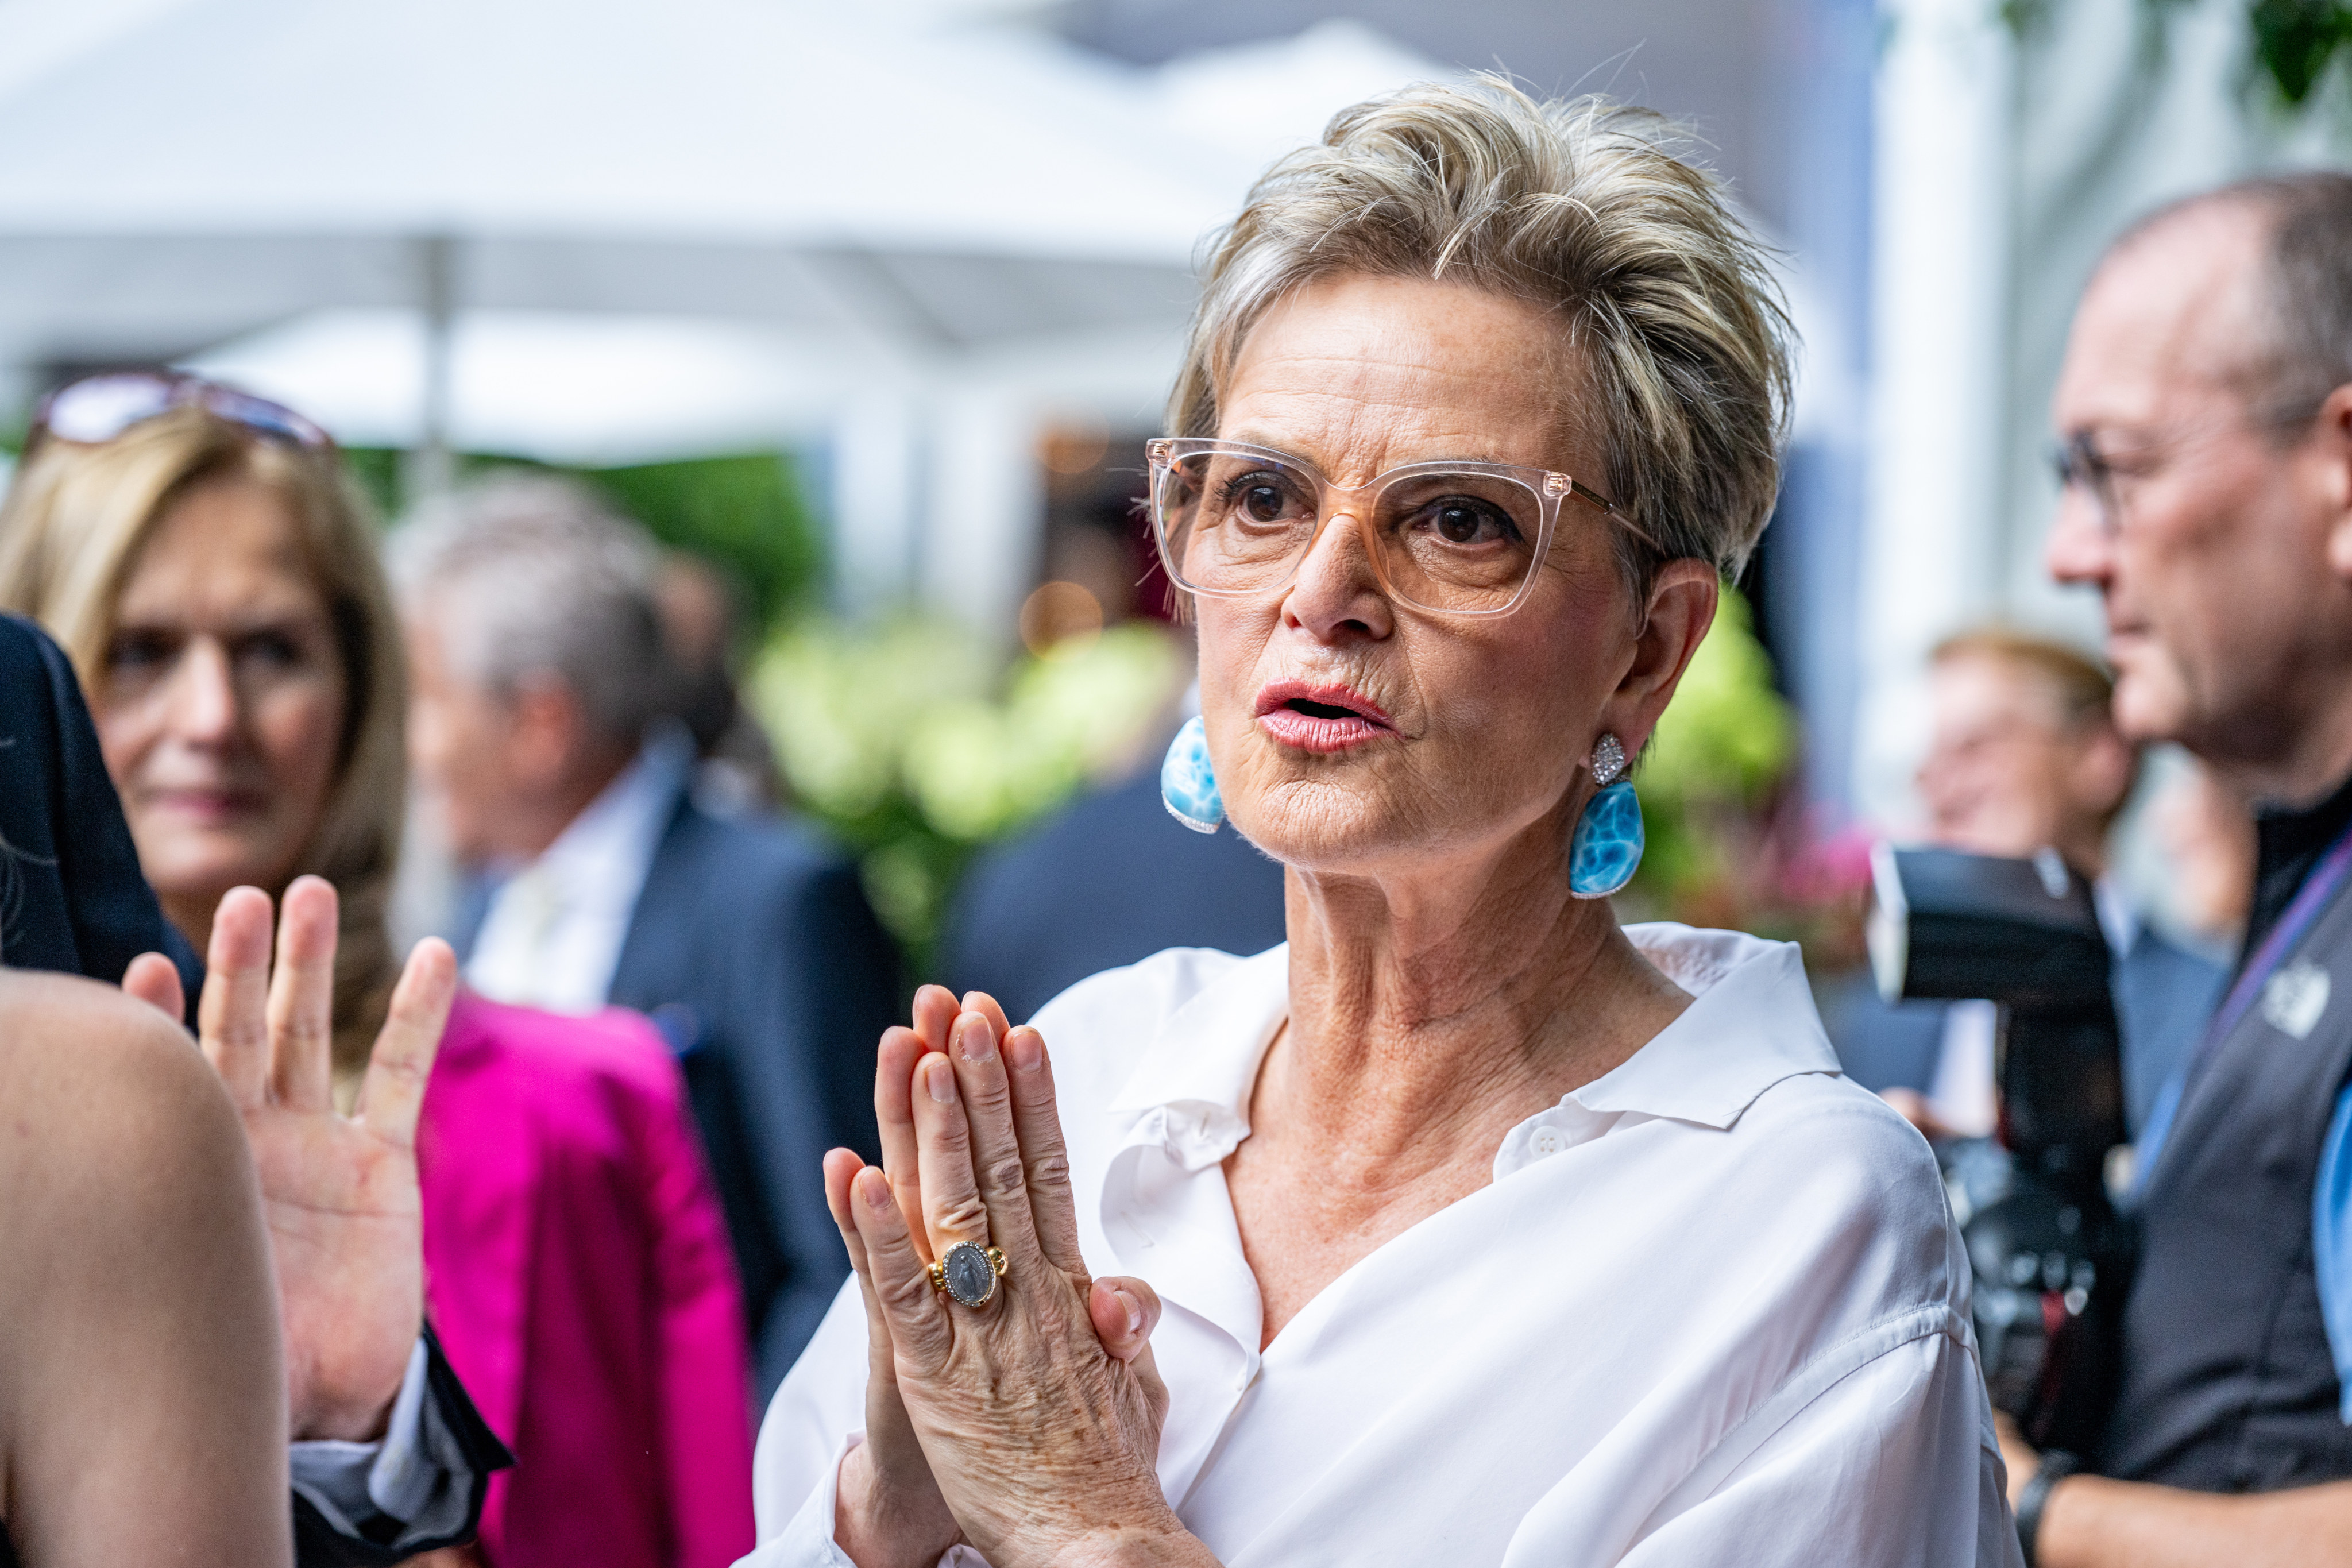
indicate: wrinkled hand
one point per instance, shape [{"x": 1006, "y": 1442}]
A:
[
  {"x": 1037, "y": 1415},
  {"x": 345, "y": 1219},
  {"x": 889, "y": 1512}
]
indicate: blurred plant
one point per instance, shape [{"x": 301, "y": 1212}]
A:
[
  {"x": 745, "y": 515},
  {"x": 2295, "y": 41},
  {"x": 1721, "y": 745},
  {"x": 908, "y": 740},
  {"x": 2290, "y": 44},
  {"x": 1730, "y": 844}
]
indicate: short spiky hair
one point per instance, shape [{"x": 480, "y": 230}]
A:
[{"x": 1580, "y": 206}]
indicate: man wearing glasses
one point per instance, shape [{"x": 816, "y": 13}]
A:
[{"x": 2206, "y": 408}]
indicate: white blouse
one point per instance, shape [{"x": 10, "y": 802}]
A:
[{"x": 1712, "y": 1310}]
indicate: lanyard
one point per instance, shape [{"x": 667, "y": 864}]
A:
[{"x": 2319, "y": 890}]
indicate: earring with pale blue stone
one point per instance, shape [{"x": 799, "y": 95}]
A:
[
  {"x": 1606, "y": 845},
  {"x": 1186, "y": 783}
]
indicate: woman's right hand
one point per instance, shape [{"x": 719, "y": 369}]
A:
[{"x": 889, "y": 1512}]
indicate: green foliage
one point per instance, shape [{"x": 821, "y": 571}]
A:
[
  {"x": 910, "y": 744},
  {"x": 377, "y": 471},
  {"x": 2295, "y": 41},
  {"x": 746, "y": 513},
  {"x": 1721, "y": 746}
]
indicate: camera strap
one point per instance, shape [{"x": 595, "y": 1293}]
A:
[{"x": 2311, "y": 900}]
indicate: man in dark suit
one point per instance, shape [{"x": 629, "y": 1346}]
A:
[
  {"x": 1109, "y": 880},
  {"x": 540, "y": 735},
  {"x": 72, "y": 900}
]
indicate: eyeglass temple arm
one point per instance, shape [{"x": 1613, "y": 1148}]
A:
[{"x": 1624, "y": 518}]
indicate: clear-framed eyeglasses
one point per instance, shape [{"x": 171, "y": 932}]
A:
[{"x": 1456, "y": 538}]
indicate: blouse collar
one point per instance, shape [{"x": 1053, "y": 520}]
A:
[{"x": 1751, "y": 1023}]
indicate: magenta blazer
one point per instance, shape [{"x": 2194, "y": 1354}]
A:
[{"x": 577, "y": 1270}]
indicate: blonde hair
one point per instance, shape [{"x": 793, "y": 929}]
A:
[
  {"x": 1580, "y": 206},
  {"x": 71, "y": 528},
  {"x": 2083, "y": 688}
]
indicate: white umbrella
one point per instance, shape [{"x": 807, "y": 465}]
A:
[
  {"x": 598, "y": 390},
  {"x": 226, "y": 164},
  {"x": 927, "y": 237}
]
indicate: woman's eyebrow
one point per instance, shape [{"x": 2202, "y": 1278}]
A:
[
  {"x": 243, "y": 621},
  {"x": 1271, "y": 444}
]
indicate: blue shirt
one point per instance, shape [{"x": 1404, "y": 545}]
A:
[{"x": 2331, "y": 1244}]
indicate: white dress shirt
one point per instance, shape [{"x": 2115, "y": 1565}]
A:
[
  {"x": 1711, "y": 1311},
  {"x": 552, "y": 934},
  {"x": 416, "y": 1472},
  {"x": 1961, "y": 1094}
]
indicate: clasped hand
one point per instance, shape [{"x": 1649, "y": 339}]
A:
[{"x": 1027, "y": 1428}]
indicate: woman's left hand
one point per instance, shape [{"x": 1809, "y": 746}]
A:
[{"x": 1040, "y": 1410}]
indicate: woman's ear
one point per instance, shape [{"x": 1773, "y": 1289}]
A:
[{"x": 1681, "y": 607}]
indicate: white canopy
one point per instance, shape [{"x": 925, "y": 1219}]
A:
[
  {"x": 224, "y": 163},
  {"x": 921, "y": 238}
]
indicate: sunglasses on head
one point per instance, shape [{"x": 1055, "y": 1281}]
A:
[{"x": 97, "y": 408}]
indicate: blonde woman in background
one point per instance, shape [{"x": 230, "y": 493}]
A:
[{"x": 210, "y": 571}]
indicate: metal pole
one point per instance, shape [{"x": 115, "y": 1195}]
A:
[{"x": 431, "y": 469}]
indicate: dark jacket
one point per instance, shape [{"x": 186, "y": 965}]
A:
[
  {"x": 71, "y": 897},
  {"x": 2228, "y": 1379},
  {"x": 1108, "y": 880},
  {"x": 72, "y": 900},
  {"x": 754, "y": 949}
]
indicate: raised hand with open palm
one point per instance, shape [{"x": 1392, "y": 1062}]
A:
[{"x": 339, "y": 1192}]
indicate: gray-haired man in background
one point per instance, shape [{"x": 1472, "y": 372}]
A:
[
  {"x": 2206, "y": 408},
  {"x": 541, "y": 733}
]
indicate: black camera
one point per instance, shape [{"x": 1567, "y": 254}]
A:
[{"x": 2051, "y": 1255}]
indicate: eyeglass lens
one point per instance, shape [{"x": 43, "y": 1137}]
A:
[
  {"x": 1235, "y": 523},
  {"x": 2079, "y": 466},
  {"x": 101, "y": 407}
]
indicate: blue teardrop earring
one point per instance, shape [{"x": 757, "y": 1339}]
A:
[
  {"x": 1187, "y": 785},
  {"x": 1606, "y": 845}
]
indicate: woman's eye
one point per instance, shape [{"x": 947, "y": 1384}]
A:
[
  {"x": 132, "y": 652},
  {"x": 1468, "y": 522},
  {"x": 1258, "y": 498},
  {"x": 273, "y": 650}
]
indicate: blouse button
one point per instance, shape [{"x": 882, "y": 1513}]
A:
[{"x": 1546, "y": 1141}]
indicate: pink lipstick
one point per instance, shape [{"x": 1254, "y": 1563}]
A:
[{"x": 1321, "y": 719}]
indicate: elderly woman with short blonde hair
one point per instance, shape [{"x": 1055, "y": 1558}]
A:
[{"x": 1467, "y": 1226}]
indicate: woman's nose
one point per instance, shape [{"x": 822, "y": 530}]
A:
[
  {"x": 1337, "y": 591},
  {"x": 203, "y": 695}
]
